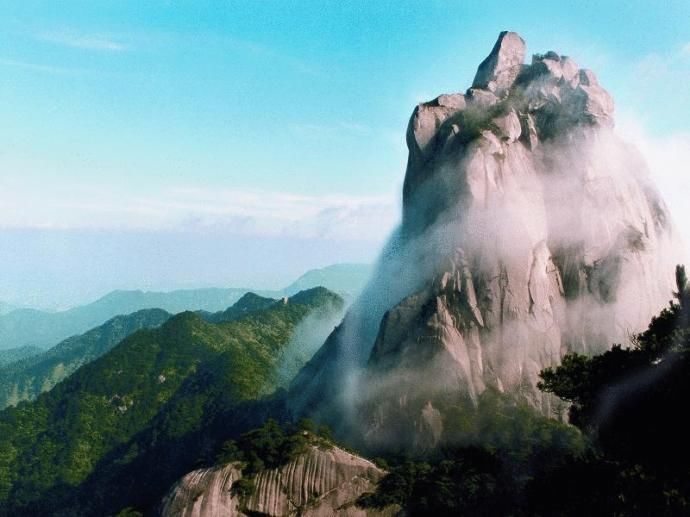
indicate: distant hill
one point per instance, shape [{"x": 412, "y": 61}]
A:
[
  {"x": 28, "y": 378},
  {"x": 165, "y": 397},
  {"x": 23, "y": 327},
  {"x": 38, "y": 328},
  {"x": 13, "y": 355},
  {"x": 6, "y": 308},
  {"x": 250, "y": 302},
  {"x": 346, "y": 279}
]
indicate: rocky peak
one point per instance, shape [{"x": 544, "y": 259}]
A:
[
  {"x": 529, "y": 230},
  {"x": 508, "y": 100},
  {"x": 498, "y": 71}
]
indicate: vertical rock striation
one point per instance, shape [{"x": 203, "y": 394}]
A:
[{"x": 318, "y": 483}]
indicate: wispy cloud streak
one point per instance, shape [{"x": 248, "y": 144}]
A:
[
  {"x": 101, "y": 42},
  {"x": 244, "y": 212},
  {"x": 41, "y": 68}
]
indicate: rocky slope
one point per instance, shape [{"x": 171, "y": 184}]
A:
[
  {"x": 529, "y": 230},
  {"x": 319, "y": 482}
]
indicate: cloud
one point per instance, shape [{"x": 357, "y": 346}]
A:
[
  {"x": 36, "y": 67},
  {"x": 668, "y": 157},
  {"x": 72, "y": 39},
  {"x": 240, "y": 212},
  {"x": 658, "y": 64}
]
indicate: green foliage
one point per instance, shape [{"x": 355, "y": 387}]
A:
[
  {"x": 28, "y": 378},
  {"x": 465, "y": 478},
  {"x": 398, "y": 485},
  {"x": 270, "y": 446},
  {"x": 630, "y": 402},
  {"x": 243, "y": 487},
  {"x": 161, "y": 397},
  {"x": 267, "y": 447}
]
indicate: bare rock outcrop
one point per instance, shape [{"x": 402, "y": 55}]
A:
[
  {"x": 321, "y": 482},
  {"x": 529, "y": 230},
  {"x": 498, "y": 71}
]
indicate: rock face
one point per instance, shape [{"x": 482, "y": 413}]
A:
[
  {"x": 498, "y": 71},
  {"x": 529, "y": 230},
  {"x": 318, "y": 483}
]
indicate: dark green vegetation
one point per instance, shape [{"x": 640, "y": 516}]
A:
[
  {"x": 122, "y": 429},
  {"x": 493, "y": 453},
  {"x": 28, "y": 378},
  {"x": 631, "y": 458},
  {"x": 17, "y": 354},
  {"x": 632, "y": 403}
]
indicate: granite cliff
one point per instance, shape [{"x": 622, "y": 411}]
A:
[
  {"x": 319, "y": 482},
  {"x": 529, "y": 229}
]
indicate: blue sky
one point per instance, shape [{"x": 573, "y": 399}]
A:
[{"x": 268, "y": 126}]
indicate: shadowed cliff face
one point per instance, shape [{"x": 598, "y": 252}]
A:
[{"x": 529, "y": 230}]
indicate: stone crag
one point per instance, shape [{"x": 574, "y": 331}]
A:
[
  {"x": 529, "y": 229},
  {"x": 318, "y": 483}
]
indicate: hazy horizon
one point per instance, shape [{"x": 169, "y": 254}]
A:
[{"x": 166, "y": 146}]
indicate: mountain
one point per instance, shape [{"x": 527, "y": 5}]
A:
[
  {"x": 250, "y": 302},
  {"x": 529, "y": 230},
  {"x": 39, "y": 328},
  {"x": 22, "y": 327},
  {"x": 344, "y": 279},
  {"x": 121, "y": 429},
  {"x": 26, "y": 379},
  {"x": 12, "y": 355}
]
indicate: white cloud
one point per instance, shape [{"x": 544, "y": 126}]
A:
[
  {"x": 241, "y": 212},
  {"x": 668, "y": 157},
  {"x": 35, "y": 67},
  {"x": 83, "y": 41}
]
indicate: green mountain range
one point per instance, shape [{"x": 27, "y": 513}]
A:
[
  {"x": 121, "y": 429},
  {"x": 28, "y": 378},
  {"x": 33, "y": 327}
]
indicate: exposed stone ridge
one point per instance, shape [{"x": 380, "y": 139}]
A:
[{"x": 320, "y": 482}]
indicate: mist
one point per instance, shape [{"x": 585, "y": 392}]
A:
[
  {"x": 514, "y": 249},
  {"x": 306, "y": 339}
]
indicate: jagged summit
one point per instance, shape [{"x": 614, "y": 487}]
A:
[
  {"x": 498, "y": 71},
  {"x": 529, "y": 229},
  {"x": 508, "y": 101}
]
